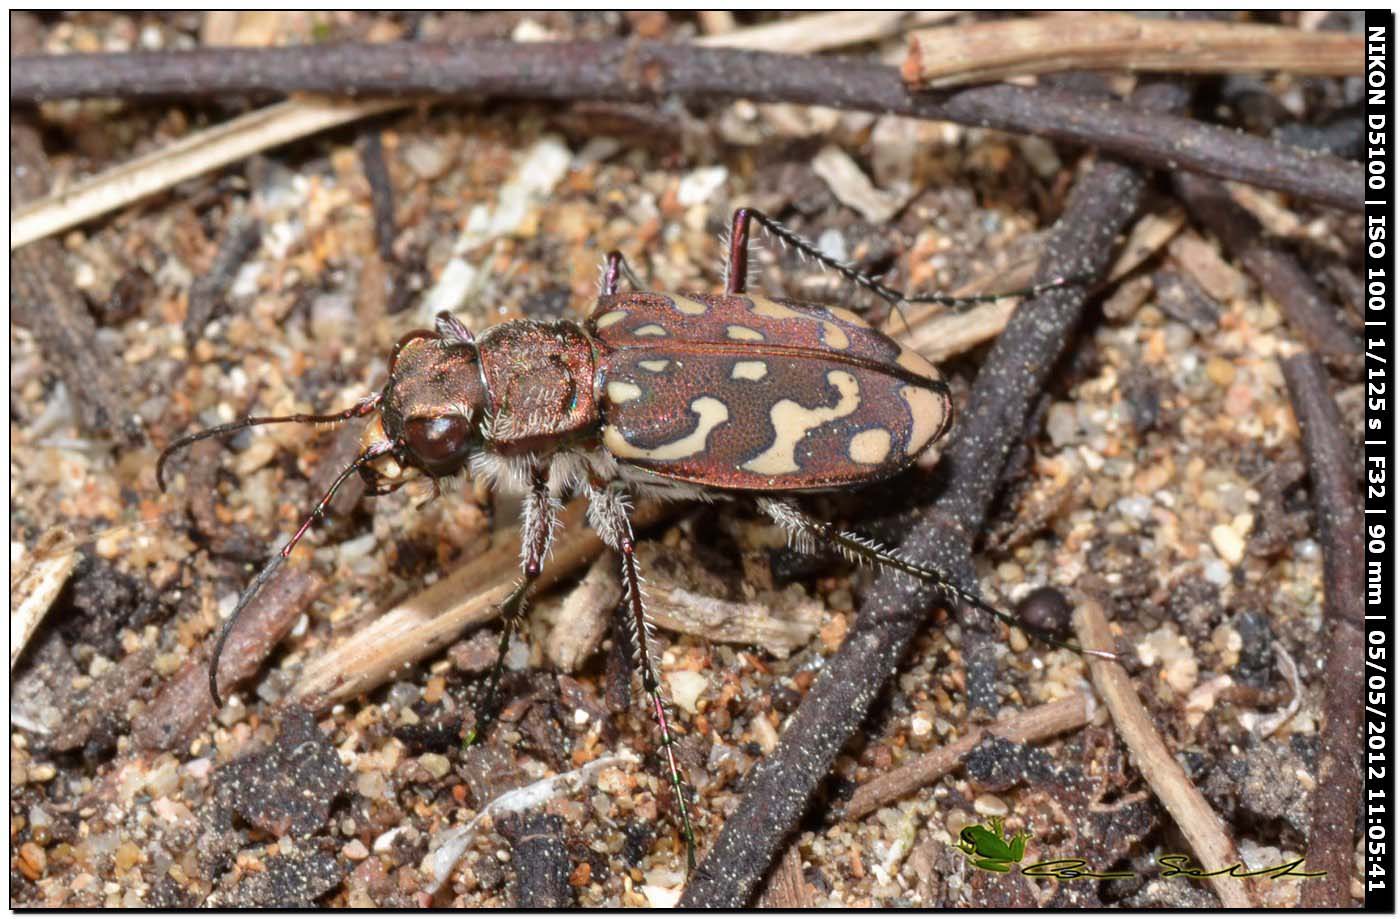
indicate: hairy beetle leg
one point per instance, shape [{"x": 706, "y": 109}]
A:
[
  {"x": 608, "y": 514},
  {"x": 806, "y": 532},
  {"x": 539, "y": 517}
]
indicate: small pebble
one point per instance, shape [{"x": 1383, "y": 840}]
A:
[
  {"x": 686, "y": 687},
  {"x": 33, "y": 861},
  {"x": 42, "y": 772},
  {"x": 699, "y": 186},
  {"x": 661, "y": 897},
  {"x": 428, "y": 160},
  {"x": 1228, "y": 543},
  {"x": 371, "y": 785},
  {"x": 1216, "y": 572},
  {"x": 1220, "y": 371},
  {"x": 1062, "y": 424},
  {"x": 990, "y": 806},
  {"x": 355, "y": 851},
  {"x": 436, "y": 764},
  {"x": 127, "y": 856}
]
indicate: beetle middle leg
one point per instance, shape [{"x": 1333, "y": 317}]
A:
[
  {"x": 608, "y": 515},
  {"x": 539, "y": 516}
]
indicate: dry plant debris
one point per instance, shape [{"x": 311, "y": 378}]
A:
[{"x": 1162, "y": 470}]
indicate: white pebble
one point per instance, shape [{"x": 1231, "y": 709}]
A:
[
  {"x": 686, "y": 687},
  {"x": 699, "y": 186},
  {"x": 661, "y": 897},
  {"x": 1228, "y": 543}
]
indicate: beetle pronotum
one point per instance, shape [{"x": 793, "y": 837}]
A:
[{"x": 669, "y": 395}]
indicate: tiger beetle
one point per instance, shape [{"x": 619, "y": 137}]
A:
[{"x": 678, "y": 396}]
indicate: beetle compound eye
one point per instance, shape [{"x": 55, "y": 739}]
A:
[{"x": 441, "y": 441}]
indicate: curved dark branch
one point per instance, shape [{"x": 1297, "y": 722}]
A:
[
  {"x": 648, "y": 71},
  {"x": 1333, "y": 469}
]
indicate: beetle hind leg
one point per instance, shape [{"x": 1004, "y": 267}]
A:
[
  {"x": 616, "y": 267},
  {"x": 608, "y": 514},
  {"x": 736, "y": 272},
  {"x": 807, "y": 532}
]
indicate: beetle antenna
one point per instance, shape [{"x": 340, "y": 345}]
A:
[
  {"x": 251, "y": 591},
  {"x": 359, "y": 410}
]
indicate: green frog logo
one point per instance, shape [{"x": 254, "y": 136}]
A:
[{"x": 989, "y": 848}]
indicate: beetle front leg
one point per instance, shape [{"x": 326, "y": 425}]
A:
[
  {"x": 539, "y": 516},
  {"x": 609, "y": 517}
]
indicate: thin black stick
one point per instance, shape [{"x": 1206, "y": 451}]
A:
[
  {"x": 634, "y": 71},
  {"x": 1333, "y": 470},
  {"x": 1081, "y": 245}
]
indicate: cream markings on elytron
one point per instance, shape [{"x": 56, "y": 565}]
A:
[
  {"x": 607, "y": 319},
  {"x": 742, "y": 333},
  {"x": 712, "y": 414},
  {"x": 792, "y": 421},
  {"x": 840, "y": 312},
  {"x": 833, "y": 336},
  {"x": 654, "y": 366},
  {"x": 650, "y": 329},
  {"x": 622, "y": 391},
  {"x": 688, "y": 306},
  {"x": 870, "y": 447},
  {"x": 927, "y": 411},
  {"x": 915, "y": 362},
  {"x": 749, "y": 370}
]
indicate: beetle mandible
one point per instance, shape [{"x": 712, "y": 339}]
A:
[{"x": 658, "y": 395}]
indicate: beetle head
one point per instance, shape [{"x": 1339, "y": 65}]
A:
[{"x": 431, "y": 409}]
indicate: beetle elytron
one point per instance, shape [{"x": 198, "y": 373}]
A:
[{"x": 676, "y": 396}]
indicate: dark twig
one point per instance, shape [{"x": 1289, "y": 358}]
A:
[
  {"x": 1306, "y": 307},
  {"x": 381, "y": 193},
  {"x": 240, "y": 241},
  {"x": 1333, "y": 471},
  {"x": 45, "y": 301},
  {"x": 540, "y": 860},
  {"x": 621, "y": 71},
  {"x": 1081, "y": 245}
]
